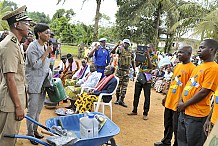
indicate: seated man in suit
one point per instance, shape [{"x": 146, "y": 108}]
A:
[{"x": 106, "y": 85}]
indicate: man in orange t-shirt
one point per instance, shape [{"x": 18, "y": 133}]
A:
[
  {"x": 195, "y": 98},
  {"x": 213, "y": 116},
  {"x": 180, "y": 77}
]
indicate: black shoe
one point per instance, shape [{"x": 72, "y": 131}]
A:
[
  {"x": 122, "y": 103},
  {"x": 116, "y": 102},
  {"x": 33, "y": 142},
  {"x": 69, "y": 107},
  {"x": 65, "y": 101},
  {"x": 37, "y": 135},
  {"x": 161, "y": 144}
]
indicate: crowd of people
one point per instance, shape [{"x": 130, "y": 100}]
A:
[{"x": 188, "y": 82}]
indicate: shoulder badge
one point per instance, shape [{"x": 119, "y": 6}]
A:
[{"x": 13, "y": 39}]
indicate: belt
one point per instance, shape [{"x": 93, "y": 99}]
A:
[{"x": 101, "y": 67}]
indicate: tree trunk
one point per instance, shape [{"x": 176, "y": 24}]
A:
[
  {"x": 169, "y": 43},
  {"x": 97, "y": 14},
  {"x": 156, "y": 35}
]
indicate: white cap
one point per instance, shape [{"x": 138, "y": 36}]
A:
[
  {"x": 127, "y": 41},
  {"x": 102, "y": 39}
]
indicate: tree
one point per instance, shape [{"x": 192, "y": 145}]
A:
[
  {"x": 97, "y": 17},
  {"x": 208, "y": 26},
  {"x": 62, "y": 12},
  {"x": 3, "y": 11},
  {"x": 39, "y": 17}
]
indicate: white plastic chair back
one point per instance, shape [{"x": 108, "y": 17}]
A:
[{"x": 100, "y": 102}]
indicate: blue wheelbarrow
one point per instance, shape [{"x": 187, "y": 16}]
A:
[{"x": 72, "y": 123}]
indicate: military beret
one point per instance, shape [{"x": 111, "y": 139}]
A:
[{"x": 17, "y": 15}]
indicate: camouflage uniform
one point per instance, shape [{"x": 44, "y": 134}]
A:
[{"x": 125, "y": 59}]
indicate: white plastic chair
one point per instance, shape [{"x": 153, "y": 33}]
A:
[{"x": 100, "y": 102}]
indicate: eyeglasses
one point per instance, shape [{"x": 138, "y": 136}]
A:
[{"x": 26, "y": 23}]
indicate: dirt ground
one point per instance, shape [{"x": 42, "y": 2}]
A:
[{"x": 134, "y": 131}]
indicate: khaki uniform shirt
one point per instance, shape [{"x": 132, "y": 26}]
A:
[{"x": 11, "y": 60}]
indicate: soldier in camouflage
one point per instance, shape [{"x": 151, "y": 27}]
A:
[{"x": 125, "y": 59}]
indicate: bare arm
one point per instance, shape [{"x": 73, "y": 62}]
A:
[
  {"x": 150, "y": 65},
  {"x": 198, "y": 96},
  {"x": 195, "y": 99},
  {"x": 14, "y": 95},
  {"x": 113, "y": 50},
  {"x": 93, "y": 51}
]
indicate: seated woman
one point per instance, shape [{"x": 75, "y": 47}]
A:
[
  {"x": 158, "y": 77},
  {"x": 80, "y": 74},
  {"x": 106, "y": 85},
  {"x": 71, "y": 67},
  {"x": 90, "y": 80},
  {"x": 167, "y": 79}
]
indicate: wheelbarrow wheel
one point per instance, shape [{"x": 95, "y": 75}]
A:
[{"x": 111, "y": 142}]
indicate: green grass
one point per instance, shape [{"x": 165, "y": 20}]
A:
[{"x": 65, "y": 49}]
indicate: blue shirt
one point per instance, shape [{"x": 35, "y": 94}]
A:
[{"x": 102, "y": 57}]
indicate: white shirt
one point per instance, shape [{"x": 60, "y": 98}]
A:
[{"x": 91, "y": 81}]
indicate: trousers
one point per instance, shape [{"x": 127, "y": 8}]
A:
[
  {"x": 35, "y": 104},
  {"x": 8, "y": 125},
  {"x": 190, "y": 130},
  {"x": 170, "y": 126},
  {"x": 147, "y": 93},
  {"x": 123, "y": 75}
]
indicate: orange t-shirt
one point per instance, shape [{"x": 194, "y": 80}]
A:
[
  {"x": 214, "y": 116},
  {"x": 204, "y": 75},
  {"x": 181, "y": 75}
]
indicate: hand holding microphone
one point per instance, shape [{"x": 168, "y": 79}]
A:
[{"x": 50, "y": 46}]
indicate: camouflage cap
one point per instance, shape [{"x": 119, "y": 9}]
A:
[{"x": 17, "y": 15}]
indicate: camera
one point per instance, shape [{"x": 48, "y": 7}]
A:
[
  {"x": 140, "y": 56},
  {"x": 141, "y": 49}
]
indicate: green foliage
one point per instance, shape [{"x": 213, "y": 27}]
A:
[
  {"x": 39, "y": 17},
  {"x": 208, "y": 25},
  {"x": 63, "y": 13},
  {"x": 4, "y": 9},
  {"x": 63, "y": 29},
  {"x": 10, "y": 4}
]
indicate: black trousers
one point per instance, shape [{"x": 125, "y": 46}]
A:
[
  {"x": 170, "y": 126},
  {"x": 190, "y": 130},
  {"x": 147, "y": 93}
]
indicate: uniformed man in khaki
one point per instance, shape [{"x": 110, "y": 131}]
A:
[
  {"x": 12, "y": 87},
  {"x": 125, "y": 60}
]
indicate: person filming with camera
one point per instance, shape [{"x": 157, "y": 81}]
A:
[{"x": 147, "y": 60}]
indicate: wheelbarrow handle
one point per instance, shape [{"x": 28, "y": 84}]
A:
[
  {"x": 9, "y": 135},
  {"x": 30, "y": 119},
  {"x": 27, "y": 137},
  {"x": 39, "y": 124}
]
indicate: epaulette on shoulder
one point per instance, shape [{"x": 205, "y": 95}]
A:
[{"x": 13, "y": 39}]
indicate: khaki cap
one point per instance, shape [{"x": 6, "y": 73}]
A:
[{"x": 17, "y": 15}]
